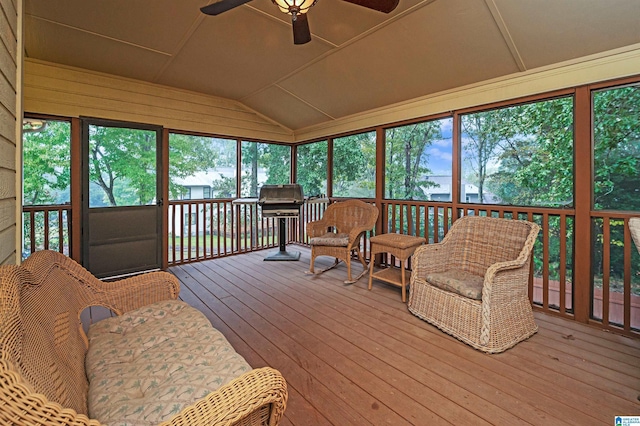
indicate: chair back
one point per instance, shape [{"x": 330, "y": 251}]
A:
[
  {"x": 347, "y": 215},
  {"x": 41, "y": 337},
  {"x": 634, "y": 228},
  {"x": 477, "y": 242}
]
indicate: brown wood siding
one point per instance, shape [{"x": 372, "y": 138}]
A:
[{"x": 8, "y": 128}]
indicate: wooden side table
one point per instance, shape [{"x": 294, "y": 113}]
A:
[{"x": 402, "y": 247}]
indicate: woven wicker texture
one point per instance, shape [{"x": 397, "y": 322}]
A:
[
  {"x": 634, "y": 228},
  {"x": 352, "y": 217},
  {"x": 404, "y": 243},
  {"x": 43, "y": 347},
  {"x": 499, "y": 250}
]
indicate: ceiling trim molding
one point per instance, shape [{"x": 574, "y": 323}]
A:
[
  {"x": 506, "y": 35},
  {"x": 93, "y": 33}
]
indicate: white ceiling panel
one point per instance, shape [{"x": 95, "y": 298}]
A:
[
  {"x": 158, "y": 24},
  {"x": 550, "y": 31},
  {"x": 398, "y": 62},
  {"x": 52, "y": 42},
  {"x": 285, "y": 108},
  {"x": 238, "y": 53}
]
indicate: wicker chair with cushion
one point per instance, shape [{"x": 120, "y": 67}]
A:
[
  {"x": 157, "y": 361},
  {"x": 339, "y": 232},
  {"x": 634, "y": 228},
  {"x": 474, "y": 284}
]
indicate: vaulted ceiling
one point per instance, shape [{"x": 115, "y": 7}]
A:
[{"x": 358, "y": 59}]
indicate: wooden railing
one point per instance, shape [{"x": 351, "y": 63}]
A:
[
  {"x": 46, "y": 228},
  {"x": 206, "y": 229},
  {"x": 615, "y": 272},
  {"x": 615, "y": 264}
]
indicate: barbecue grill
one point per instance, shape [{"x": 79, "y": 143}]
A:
[{"x": 282, "y": 202}]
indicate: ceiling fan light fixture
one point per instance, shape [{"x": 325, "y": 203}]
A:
[{"x": 294, "y": 7}]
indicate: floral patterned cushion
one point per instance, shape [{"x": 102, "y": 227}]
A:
[
  {"x": 330, "y": 239},
  {"x": 457, "y": 281},
  {"x": 147, "y": 365}
]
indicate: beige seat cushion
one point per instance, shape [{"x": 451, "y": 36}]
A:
[
  {"x": 458, "y": 281},
  {"x": 330, "y": 239},
  {"x": 147, "y": 365}
]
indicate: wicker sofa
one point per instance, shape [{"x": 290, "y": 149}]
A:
[
  {"x": 157, "y": 361},
  {"x": 474, "y": 284}
]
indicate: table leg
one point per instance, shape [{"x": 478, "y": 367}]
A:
[
  {"x": 371, "y": 262},
  {"x": 404, "y": 284}
]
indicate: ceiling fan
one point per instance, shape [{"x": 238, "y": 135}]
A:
[{"x": 298, "y": 11}]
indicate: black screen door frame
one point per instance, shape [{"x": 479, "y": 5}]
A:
[{"x": 121, "y": 240}]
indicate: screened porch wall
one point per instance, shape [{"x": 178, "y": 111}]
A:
[{"x": 571, "y": 296}]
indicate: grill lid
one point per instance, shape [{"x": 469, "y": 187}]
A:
[
  {"x": 282, "y": 195},
  {"x": 281, "y": 200}
]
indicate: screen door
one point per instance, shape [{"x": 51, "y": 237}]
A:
[{"x": 122, "y": 208}]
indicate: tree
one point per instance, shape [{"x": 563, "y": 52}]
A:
[
  {"x": 535, "y": 154},
  {"x": 354, "y": 165},
  {"x": 312, "y": 168},
  {"x": 522, "y": 154},
  {"x": 276, "y": 160},
  {"x": 617, "y": 149},
  {"x": 480, "y": 144},
  {"x": 406, "y": 159},
  {"x": 46, "y": 163},
  {"x": 273, "y": 159}
]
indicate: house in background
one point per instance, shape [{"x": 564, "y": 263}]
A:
[
  {"x": 196, "y": 187},
  {"x": 442, "y": 190}
]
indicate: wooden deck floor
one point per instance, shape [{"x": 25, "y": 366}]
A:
[{"x": 356, "y": 357}]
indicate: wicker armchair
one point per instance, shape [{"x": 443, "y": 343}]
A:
[
  {"x": 634, "y": 228},
  {"x": 474, "y": 284},
  {"x": 339, "y": 232},
  {"x": 43, "y": 348}
]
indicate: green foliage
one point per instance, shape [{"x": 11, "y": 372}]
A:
[
  {"x": 274, "y": 160},
  {"x": 311, "y": 170},
  {"x": 406, "y": 159},
  {"x": 46, "y": 163},
  {"x": 617, "y": 149},
  {"x": 122, "y": 162},
  {"x": 354, "y": 166},
  {"x": 522, "y": 154},
  {"x": 191, "y": 154}
]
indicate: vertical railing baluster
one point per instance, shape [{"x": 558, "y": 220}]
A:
[
  {"x": 562, "y": 276},
  {"x": 606, "y": 266}
]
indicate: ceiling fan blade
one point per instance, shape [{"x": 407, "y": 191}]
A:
[
  {"x": 222, "y": 6},
  {"x": 384, "y": 6},
  {"x": 301, "y": 32}
]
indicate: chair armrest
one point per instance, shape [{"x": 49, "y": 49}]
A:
[
  {"x": 500, "y": 277},
  {"x": 317, "y": 228},
  {"x": 506, "y": 280},
  {"x": 262, "y": 388},
  {"x": 354, "y": 235},
  {"x": 21, "y": 406}
]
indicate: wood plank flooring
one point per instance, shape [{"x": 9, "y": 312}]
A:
[{"x": 357, "y": 357}]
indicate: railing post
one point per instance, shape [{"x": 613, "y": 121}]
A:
[{"x": 582, "y": 203}]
